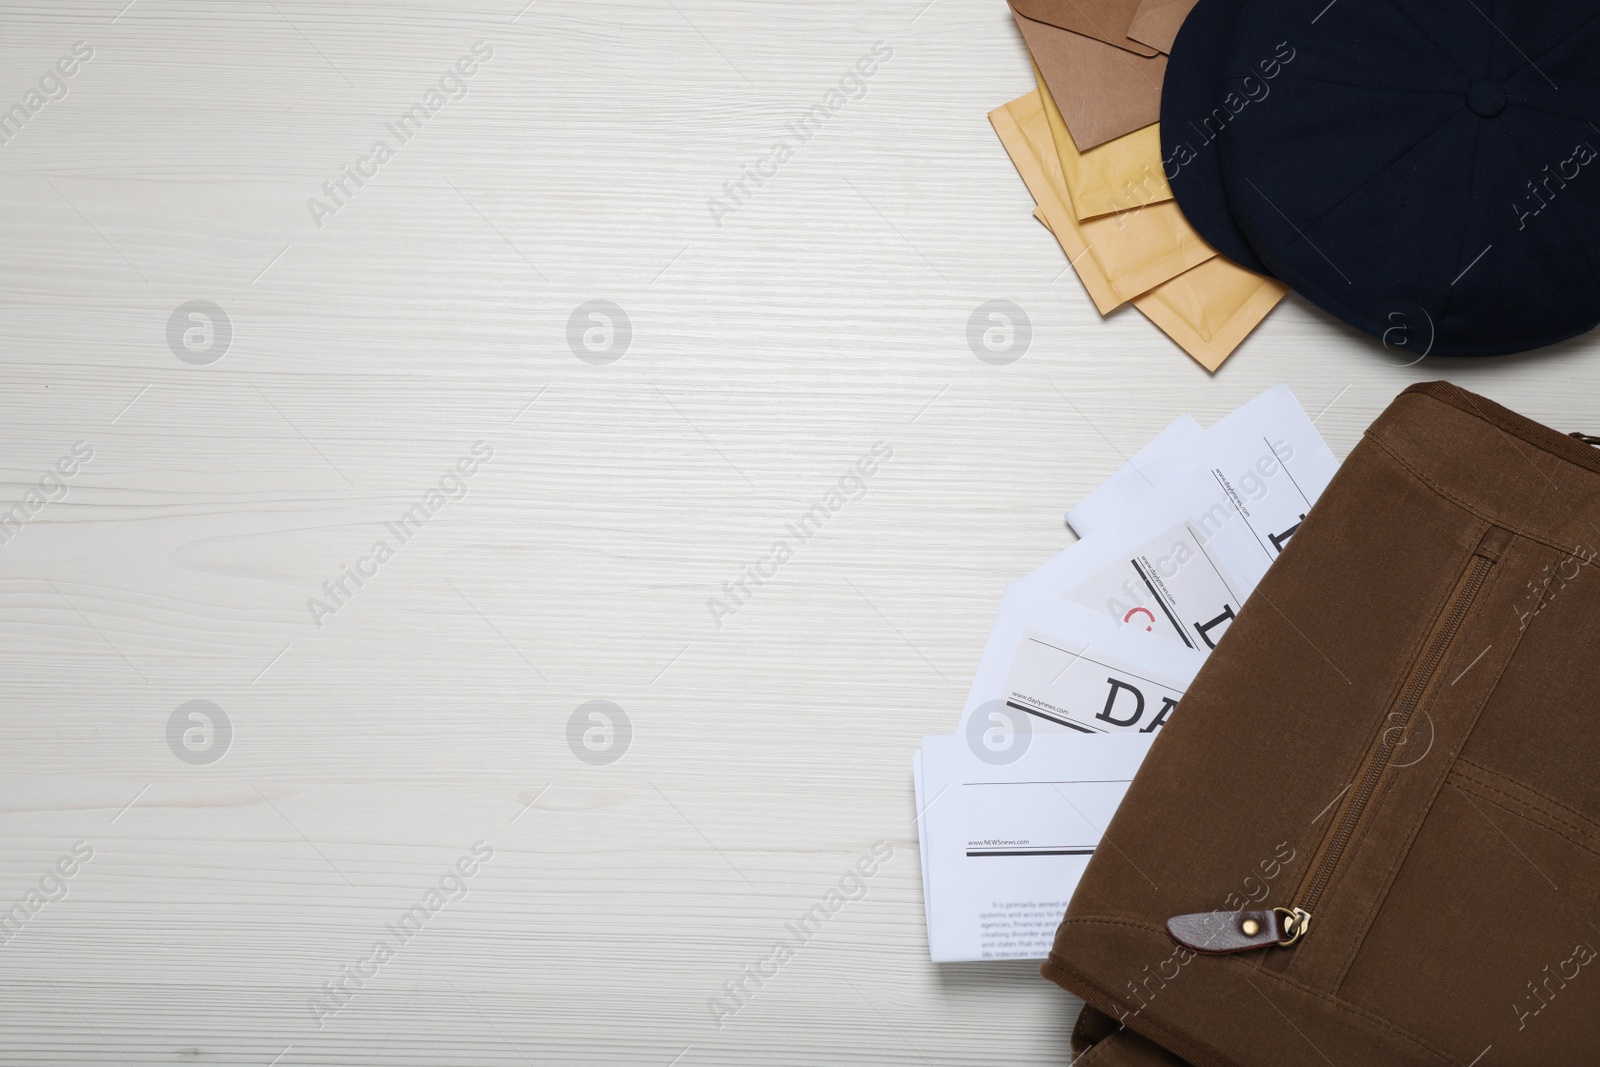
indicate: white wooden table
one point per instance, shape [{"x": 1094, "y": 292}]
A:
[{"x": 351, "y": 752}]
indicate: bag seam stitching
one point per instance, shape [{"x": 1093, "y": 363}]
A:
[
  {"x": 1464, "y": 505},
  {"x": 1404, "y": 850},
  {"x": 1448, "y": 393},
  {"x": 1529, "y": 814},
  {"x": 1343, "y": 963},
  {"x": 1585, "y": 822},
  {"x": 1391, "y": 697}
]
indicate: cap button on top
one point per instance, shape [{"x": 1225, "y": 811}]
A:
[{"x": 1486, "y": 99}]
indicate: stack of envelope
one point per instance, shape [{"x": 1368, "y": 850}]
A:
[
  {"x": 1088, "y": 147},
  {"x": 1087, "y": 662}
]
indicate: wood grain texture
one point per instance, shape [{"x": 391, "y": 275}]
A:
[{"x": 430, "y": 312}]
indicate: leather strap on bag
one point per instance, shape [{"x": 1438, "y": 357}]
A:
[{"x": 1098, "y": 1040}]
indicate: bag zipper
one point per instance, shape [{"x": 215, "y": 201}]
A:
[
  {"x": 1285, "y": 927},
  {"x": 1306, "y": 906}
]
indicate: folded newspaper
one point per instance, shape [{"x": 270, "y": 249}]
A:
[{"x": 1101, "y": 640}]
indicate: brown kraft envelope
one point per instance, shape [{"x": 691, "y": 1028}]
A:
[
  {"x": 1103, "y": 91},
  {"x": 1104, "y": 20},
  {"x": 1157, "y": 22}
]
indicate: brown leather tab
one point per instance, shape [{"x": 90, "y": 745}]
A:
[
  {"x": 1217, "y": 933},
  {"x": 1093, "y": 1026},
  {"x": 1128, "y": 1049},
  {"x": 1493, "y": 543}
]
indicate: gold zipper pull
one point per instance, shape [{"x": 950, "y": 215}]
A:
[
  {"x": 1221, "y": 933},
  {"x": 1296, "y": 921}
]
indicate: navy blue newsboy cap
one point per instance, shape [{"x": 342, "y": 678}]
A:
[{"x": 1426, "y": 170}]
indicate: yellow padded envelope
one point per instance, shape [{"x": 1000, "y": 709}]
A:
[
  {"x": 1117, "y": 256},
  {"x": 1208, "y": 310},
  {"x": 1117, "y": 176}
]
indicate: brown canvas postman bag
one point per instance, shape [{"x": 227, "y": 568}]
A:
[{"x": 1371, "y": 833}]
